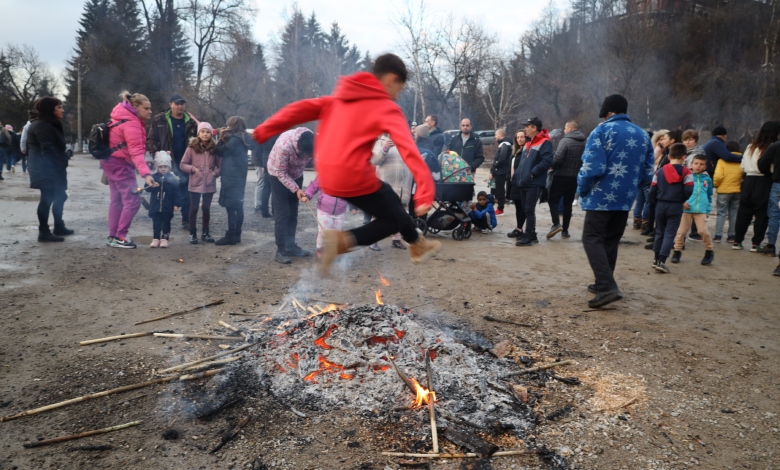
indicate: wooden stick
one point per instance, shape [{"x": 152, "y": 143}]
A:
[
  {"x": 213, "y": 363},
  {"x": 114, "y": 338},
  {"x": 281, "y": 307},
  {"x": 192, "y": 336},
  {"x": 296, "y": 303},
  {"x": 71, "y": 437},
  {"x": 250, "y": 314},
  {"x": 538, "y": 368},
  {"x": 404, "y": 378},
  {"x": 327, "y": 301},
  {"x": 431, "y": 396},
  {"x": 629, "y": 402},
  {"x": 313, "y": 311},
  {"x": 216, "y": 302},
  {"x": 91, "y": 396},
  {"x": 231, "y": 327},
  {"x": 508, "y": 322},
  {"x": 200, "y": 375},
  {"x": 205, "y": 359},
  {"x": 455, "y": 456}
]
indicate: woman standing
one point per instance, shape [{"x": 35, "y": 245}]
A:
[
  {"x": 517, "y": 148},
  {"x": 754, "y": 197},
  {"x": 234, "y": 142},
  {"x": 391, "y": 169},
  {"x": 127, "y": 135},
  {"x": 48, "y": 167}
]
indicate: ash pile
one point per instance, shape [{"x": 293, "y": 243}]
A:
[{"x": 343, "y": 358}]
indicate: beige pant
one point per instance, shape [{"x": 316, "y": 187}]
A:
[{"x": 685, "y": 227}]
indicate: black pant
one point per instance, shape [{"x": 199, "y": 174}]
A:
[
  {"x": 667, "y": 220},
  {"x": 389, "y": 217},
  {"x": 185, "y": 202},
  {"x": 563, "y": 187},
  {"x": 482, "y": 223},
  {"x": 265, "y": 193},
  {"x": 601, "y": 234},
  {"x": 235, "y": 215},
  {"x": 500, "y": 190},
  {"x": 753, "y": 201},
  {"x": 194, "y": 200},
  {"x": 161, "y": 225},
  {"x": 285, "y": 205},
  {"x": 529, "y": 197},
  {"x": 52, "y": 199}
]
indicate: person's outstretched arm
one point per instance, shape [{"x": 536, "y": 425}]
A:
[{"x": 290, "y": 115}]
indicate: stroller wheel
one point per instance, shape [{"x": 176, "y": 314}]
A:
[
  {"x": 457, "y": 234},
  {"x": 420, "y": 223},
  {"x": 467, "y": 233}
]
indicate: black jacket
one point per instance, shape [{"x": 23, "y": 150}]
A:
[
  {"x": 159, "y": 136},
  {"x": 163, "y": 198},
  {"x": 568, "y": 157},
  {"x": 472, "y": 152},
  {"x": 437, "y": 138},
  {"x": 47, "y": 162},
  {"x": 771, "y": 157},
  {"x": 233, "y": 151},
  {"x": 534, "y": 163},
  {"x": 503, "y": 158},
  {"x": 425, "y": 147}
]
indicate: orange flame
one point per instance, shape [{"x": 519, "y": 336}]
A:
[
  {"x": 327, "y": 309},
  {"x": 379, "y": 297},
  {"x": 383, "y": 280},
  {"x": 423, "y": 395},
  {"x": 326, "y": 366},
  {"x": 181, "y": 260}
]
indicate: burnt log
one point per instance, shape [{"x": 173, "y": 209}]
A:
[{"x": 469, "y": 441}]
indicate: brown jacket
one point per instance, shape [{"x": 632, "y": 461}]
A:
[{"x": 208, "y": 166}]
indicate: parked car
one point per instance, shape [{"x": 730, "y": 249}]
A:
[
  {"x": 487, "y": 137},
  {"x": 68, "y": 150}
]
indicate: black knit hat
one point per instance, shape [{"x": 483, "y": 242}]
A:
[
  {"x": 720, "y": 130},
  {"x": 613, "y": 104}
]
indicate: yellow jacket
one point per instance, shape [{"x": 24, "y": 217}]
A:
[{"x": 728, "y": 177}]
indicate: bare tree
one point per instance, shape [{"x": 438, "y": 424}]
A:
[
  {"x": 209, "y": 23},
  {"x": 501, "y": 94},
  {"x": 410, "y": 20},
  {"x": 23, "y": 79}
]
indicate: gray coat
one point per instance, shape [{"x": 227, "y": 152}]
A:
[
  {"x": 392, "y": 170},
  {"x": 568, "y": 157}
]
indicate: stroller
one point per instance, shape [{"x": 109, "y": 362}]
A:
[{"x": 448, "y": 213}]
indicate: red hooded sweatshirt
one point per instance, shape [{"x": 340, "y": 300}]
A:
[{"x": 350, "y": 121}]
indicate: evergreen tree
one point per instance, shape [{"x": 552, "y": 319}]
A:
[{"x": 293, "y": 73}]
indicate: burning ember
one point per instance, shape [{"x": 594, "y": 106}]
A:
[
  {"x": 327, "y": 309},
  {"x": 383, "y": 280},
  {"x": 181, "y": 260},
  {"x": 379, "y": 297},
  {"x": 423, "y": 395}
]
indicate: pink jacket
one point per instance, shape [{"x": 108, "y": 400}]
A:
[
  {"x": 209, "y": 165},
  {"x": 133, "y": 133},
  {"x": 328, "y": 204}
]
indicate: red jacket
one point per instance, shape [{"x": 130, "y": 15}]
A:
[{"x": 350, "y": 121}]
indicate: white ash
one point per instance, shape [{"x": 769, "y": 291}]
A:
[{"x": 362, "y": 341}]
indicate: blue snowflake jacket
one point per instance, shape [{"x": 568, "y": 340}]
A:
[{"x": 618, "y": 157}]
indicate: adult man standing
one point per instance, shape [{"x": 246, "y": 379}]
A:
[
  {"x": 566, "y": 164},
  {"x": 499, "y": 171},
  {"x": 618, "y": 157},
  {"x": 530, "y": 177},
  {"x": 716, "y": 149},
  {"x": 435, "y": 134},
  {"x": 286, "y": 162},
  {"x": 171, "y": 131},
  {"x": 468, "y": 146}
]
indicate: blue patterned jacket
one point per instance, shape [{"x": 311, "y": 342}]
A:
[{"x": 618, "y": 157}]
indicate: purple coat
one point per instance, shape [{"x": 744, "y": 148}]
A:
[{"x": 328, "y": 204}]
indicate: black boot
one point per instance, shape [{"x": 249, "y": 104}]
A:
[
  {"x": 60, "y": 229},
  {"x": 194, "y": 236},
  {"x": 45, "y": 235},
  {"x": 228, "y": 239},
  {"x": 238, "y": 235},
  {"x": 206, "y": 237}
]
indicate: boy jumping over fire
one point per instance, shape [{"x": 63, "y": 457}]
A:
[{"x": 360, "y": 109}]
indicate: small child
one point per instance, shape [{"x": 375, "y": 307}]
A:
[
  {"x": 697, "y": 209},
  {"x": 164, "y": 199},
  {"x": 672, "y": 185},
  {"x": 482, "y": 213},
  {"x": 202, "y": 163},
  {"x": 330, "y": 211},
  {"x": 728, "y": 179}
]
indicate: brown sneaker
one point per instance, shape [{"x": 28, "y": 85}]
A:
[
  {"x": 334, "y": 243},
  {"x": 423, "y": 249},
  {"x": 637, "y": 223}
]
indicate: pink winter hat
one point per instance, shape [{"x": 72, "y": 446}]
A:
[
  {"x": 9, "y": 127},
  {"x": 205, "y": 125}
]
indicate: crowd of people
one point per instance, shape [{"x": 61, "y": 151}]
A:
[{"x": 379, "y": 167}]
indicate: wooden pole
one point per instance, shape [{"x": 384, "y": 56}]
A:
[
  {"x": 404, "y": 378},
  {"x": 213, "y": 363},
  {"x": 114, "y": 338},
  {"x": 192, "y": 336},
  {"x": 454, "y": 456},
  {"x": 216, "y": 302},
  {"x": 55, "y": 440},
  {"x": 538, "y": 368},
  {"x": 206, "y": 359},
  {"x": 431, "y": 399}
]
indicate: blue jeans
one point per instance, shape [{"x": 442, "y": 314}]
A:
[
  {"x": 642, "y": 206},
  {"x": 774, "y": 214},
  {"x": 10, "y": 160}
]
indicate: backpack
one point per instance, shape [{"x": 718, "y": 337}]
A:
[{"x": 98, "y": 140}]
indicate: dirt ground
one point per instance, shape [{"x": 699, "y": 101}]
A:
[{"x": 693, "y": 355}]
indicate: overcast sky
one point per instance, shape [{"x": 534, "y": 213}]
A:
[{"x": 50, "y": 25}]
